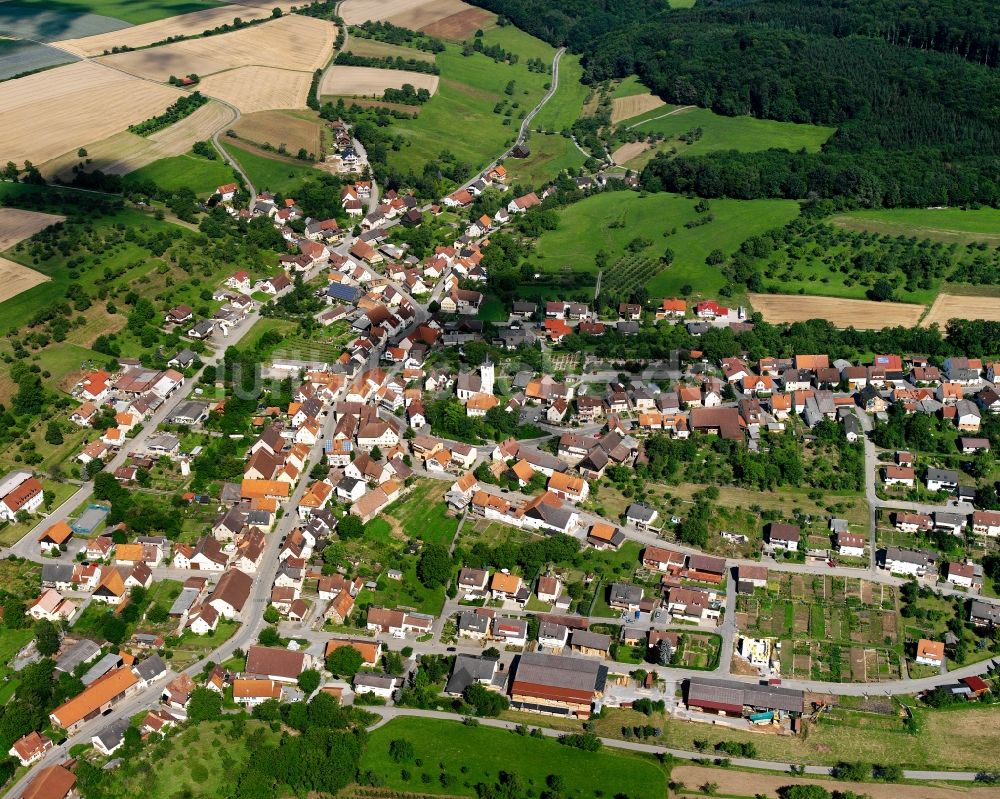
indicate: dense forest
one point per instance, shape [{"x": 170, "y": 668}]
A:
[{"x": 902, "y": 81}]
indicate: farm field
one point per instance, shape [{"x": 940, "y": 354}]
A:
[
  {"x": 292, "y": 42},
  {"x": 461, "y": 24},
  {"x": 952, "y": 306},
  {"x": 133, "y": 12},
  {"x": 271, "y": 174},
  {"x": 17, "y": 225},
  {"x": 469, "y": 88},
  {"x": 860, "y": 314},
  {"x": 17, "y": 57},
  {"x": 294, "y": 130},
  {"x": 414, "y": 14},
  {"x": 565, "y": 106},
  {"x": 377, "y": 49},
  {"x": 551, "y": 153},
  {"x": 830, "y": 628},
  {"x": 259, "y": 88},
  {"x": 610, "y": 221},
  {"x": 745, "y": 134},
  {"x": 87, "y": 100},
  {"x": 740, "y": 783},
  {"x": 191, "y": 171},
  {"x": 191, "y": 24},
  {"x": 364, "y": 81},
  {"x": 949, "y": 225},
  {"x": 486, "y": 751},
  {"x": 46, "y": 22},
  {"x": 125, "y": 152},
  {"x": 632, "y": 105}
]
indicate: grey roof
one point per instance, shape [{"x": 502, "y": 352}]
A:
[
  {"x": 561, "y": 671},
  {"x": 374, "y": 680},
  {"x": 643, "y": 513},
  {"x": 985, "y": 611},
  {"x": 82, "y": 651},
  {"x": 151, "y": 668},
  {"x": 112, "y": 735},
  {"x": 473, "y": 622},
  {"x": 590, "y": 640},
  {"x": 623, "y": 593},
  {"x": 469, "y": 669},
  {"x": 57, "y": 572},
  {"x": 915, "y": 556},
  {"x": 942, "y": 475},
  {"x": 550, "y": 629},
  {"x": 944, "y": 519},
  {"x": 734, "y": 693},
  {"x": 101, "y": 667}
]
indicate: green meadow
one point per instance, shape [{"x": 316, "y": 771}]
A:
[
  {"x": 565, "y": 106},
  {"x": 551, "y": 153},
  {"x": 269, "y": 174},
  {"x": 646, "y": 225},
  {"x": 744, "y": 134},
  {"x": 459, "y": 118},
  {"x": 135, "y": 12},
  {"x": 469, "y": 756},
  {"x": 199, "y": 174},
  {"x": 940, "y": 224}
]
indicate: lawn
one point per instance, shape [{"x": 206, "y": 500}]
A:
[
  {"x": 422, "y": 513},
  {"x": 493, "y": 309},
  {"x": 473, "y": 755},
  {"x": 551, "y": 154},
  {"x": 460, "y": 118},
  {"x": 941, "y": 224},
  {"x": 191, "y": 647},
  {"x": 611, "y": 221},
  {"x": 745, "y": 134},
  {"x": 269, "y": 174},
  {"x": 564, "y": 107},
  {"x": 135, "y": 12},
  {"x": 199, "y": 174},
  {"x": 13, "y": 532}
]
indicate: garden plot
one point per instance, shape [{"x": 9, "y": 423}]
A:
[
  {"x": 48, "y": 113},
  {"x": 193, "y": 24},
  {"x": 293, "y": 42},
  {"x": 831, "y": 628}
]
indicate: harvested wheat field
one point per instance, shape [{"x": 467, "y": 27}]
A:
[
  {"x": 17, "y": 225},
  {"x": 371, "y": 47},
  {"x": 371, "y": 81},
  {"x": 259, "y": 88},
  {"x": 460, "y": 25},
  {"x": 413, "y": 14},
  {"x": 731, "y": 782},
  {"x": 629, "y": 151},
  {"x": 628, "y": 107},
  {"x": 280, "y": 127},
  {"x": 861, "y": 314},
  {"x": 51, "y": 112},
  {"x": 953, "y": 306},
  {"x": 15, "y": 278},
  {"x": 125, "y": 152},
  {"x": 293, "y": 42},
  {"x": 192, "y": 24}
]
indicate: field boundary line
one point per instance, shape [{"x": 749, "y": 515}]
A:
[{"x": 661, "y": 116}]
